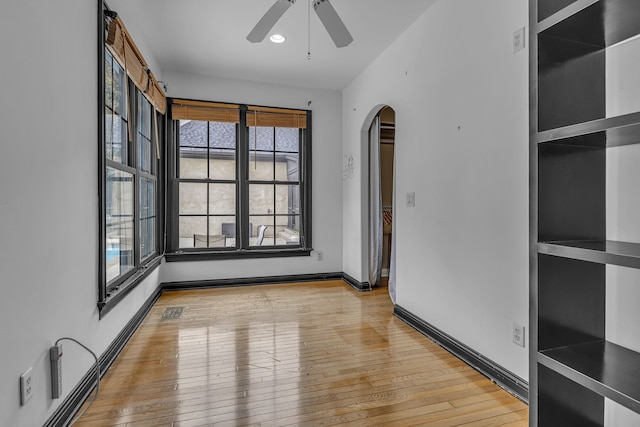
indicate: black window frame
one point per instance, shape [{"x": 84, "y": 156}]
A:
[
  {"x": 110, "y": 293},
  {"x": 242, "y": 249}
]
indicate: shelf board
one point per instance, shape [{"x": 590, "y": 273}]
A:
[
  {"x": 608, "y": 369},
  {"x": 603, "y": 133},
  {"x": 560, "y": 15},
  {"x": 599, "y": 251},
  {"x": 600, "y": 23}
]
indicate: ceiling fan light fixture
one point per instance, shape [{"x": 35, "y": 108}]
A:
[
  {"x": 277, "y": 38},
  {"x": 325, "y": 11}
]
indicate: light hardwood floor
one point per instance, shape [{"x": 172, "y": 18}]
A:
[{"x": 310, "y": 354}]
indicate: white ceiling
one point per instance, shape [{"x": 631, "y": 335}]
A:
[{"x": 208, "y": 37}]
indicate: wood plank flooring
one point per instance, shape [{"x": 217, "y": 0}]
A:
[{"x": 310, "y": 354}]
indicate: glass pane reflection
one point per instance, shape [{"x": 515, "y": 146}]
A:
[{"x": 119, "y": 215}]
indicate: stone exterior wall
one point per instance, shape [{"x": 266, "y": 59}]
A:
[{"x": 222, "y": 200}]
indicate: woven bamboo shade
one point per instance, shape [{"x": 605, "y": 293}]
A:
[
  {"x": 183, "y": 109},
  {"x": 126, "y": 52},
  {"x": 276, "y": 117}
]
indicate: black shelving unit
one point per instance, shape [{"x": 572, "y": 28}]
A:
[{"x": 573, "y": 367}]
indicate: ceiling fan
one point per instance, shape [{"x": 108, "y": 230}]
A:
[{"x": 325, "y": 11}]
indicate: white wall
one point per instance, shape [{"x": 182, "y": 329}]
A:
[
  {"x": 327, "y": 186},
  {"x": 48, "y": 202},
  {"x": 461, "y": 101}
]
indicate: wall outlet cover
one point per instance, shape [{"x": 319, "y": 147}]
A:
[
  {"x": 518, "y": 334},
  {"x": 26, "y": 386}
]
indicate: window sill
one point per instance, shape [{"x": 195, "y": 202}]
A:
[
  {"x": 242, "y": 254},
  {"x": 116, "y": 295}
]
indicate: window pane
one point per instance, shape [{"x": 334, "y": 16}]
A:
[
  {"x": 287, "y": 139},
  {"x": 108, "y": 133},
  {"x": 145, "y": 121},
  {"x": 222, "y": 199},
  {"x": 144, "y": 133},
  {"x": 263, "y": 231},
  {"x": 265, "y": 138},
  {"x": 261, "y": 166},
  {"x": 261, "y": 199},
  {"x": 288, "y": 230},
  {"x": 287, "y": 167},
  {"x": 222, "y": 231},
  {"x": 222, "y": 135},
  {"x": 292, "y": 223},
  {"x": 287, "y": 199},
  {"x": 193, "y": 162},
  {"x": 108, "y": 80},
  {"x": 145, "y": 155},
  {"x": 147, "y": 217},
  {"x": 193, "y": 133},
  {"x": 115, "y": 122},
  {"x": 119, "y": 90},
  {"x": 116, "y": 138},
  {"x": 193, "y": 198},
  {"x": 119, "y": 202},
  {"x": 189, "y": 228},
  {"x": 222, "y": 164}
]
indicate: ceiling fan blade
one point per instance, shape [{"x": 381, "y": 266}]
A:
[
  {"x": 332, "y": 22},
  {"x": 266, "y": 23}
]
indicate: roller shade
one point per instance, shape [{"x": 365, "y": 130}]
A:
[
  {"x": 276, "y": 117},
  {"x": 183, "y": 109},
  {"x": 126, "y": 52}
]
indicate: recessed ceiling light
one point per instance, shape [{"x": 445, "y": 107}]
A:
[{"x": 277, "y": 38}]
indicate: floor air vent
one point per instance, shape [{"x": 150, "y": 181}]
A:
[{"x": 172, "y": 313}]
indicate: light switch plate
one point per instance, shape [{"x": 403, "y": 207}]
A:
[{"x": 411, "y": 199}]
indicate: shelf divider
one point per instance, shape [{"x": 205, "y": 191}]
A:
[
  {"x": 563, "y": 14},
  {"x": 606, "y": 368},
  {"x": 601, "y": 23},
  {"x": 612, "y": 252},
  {"x": 618, "y": 130}
]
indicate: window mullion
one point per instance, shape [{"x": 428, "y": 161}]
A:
[
  {"x": 120, "y": 166},
  {"x": 134, "y": 118},
  {"x": 242, "y": 186},
  {"x": 275, "y": 187},
  {"x": 208, "y": 208}
]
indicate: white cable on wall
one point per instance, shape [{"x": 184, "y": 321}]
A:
[{"x": 97, "y": 375}]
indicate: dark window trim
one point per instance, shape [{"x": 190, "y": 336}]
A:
[
  {"x": 117, "y": 294},
  {"x": 102, "y": 249},
  {"x": 272, "y": 252},
  {"x": 110, "y": 294},
  {"x": 177, "y": 254}
]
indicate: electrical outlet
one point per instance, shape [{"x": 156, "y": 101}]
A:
[
  {"x": 55, "y": 354},
  {"x": 26, "y": 386},
  {"x": 320, "y": 255},
  {"x": 518, "y": 40},
  {"x": 411, "y": 199},
  {"x": 518, "y": 334}
]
